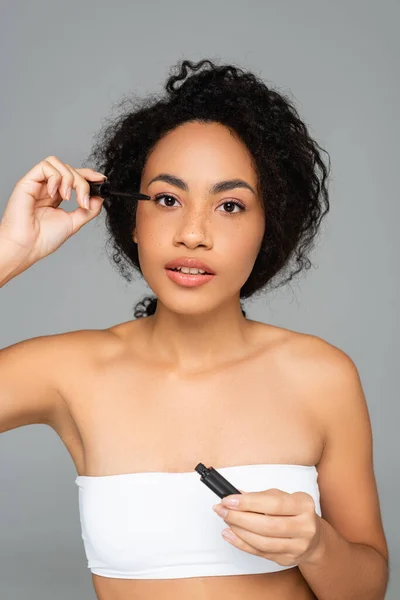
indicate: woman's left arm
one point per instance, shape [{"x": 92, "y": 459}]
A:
[
  {"x": 353, "y": 558},
  {"x": 343, "y": 555},
  {"x": 343, "y": 570}
]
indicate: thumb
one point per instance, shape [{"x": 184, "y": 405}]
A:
[{"x": 80, "y": 216}]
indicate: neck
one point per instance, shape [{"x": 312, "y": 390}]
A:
[{"x": 193, "y": 343}]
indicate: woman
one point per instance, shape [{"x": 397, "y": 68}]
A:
[{"x": 237, "y": 191}]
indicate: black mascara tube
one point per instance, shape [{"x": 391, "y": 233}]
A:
[
  {"x": 215, "y": 481},
  {"x": 104, "y": 189}
]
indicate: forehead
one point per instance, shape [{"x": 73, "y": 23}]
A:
[{"x": 208, "y": 151}]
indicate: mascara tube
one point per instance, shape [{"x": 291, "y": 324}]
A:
[{"x": 215, "y": 481}]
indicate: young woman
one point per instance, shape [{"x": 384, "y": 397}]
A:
[{"x": 237, "y": 191}]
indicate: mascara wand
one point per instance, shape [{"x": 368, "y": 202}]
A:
[{"x": 104, "y": 190}]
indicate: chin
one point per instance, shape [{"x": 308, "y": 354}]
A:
[
  {"x": 189, "y": 310},
  {"x": 191, "y": 306}
]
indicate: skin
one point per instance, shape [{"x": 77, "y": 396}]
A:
[
  {"x": 193, "y": 327},
  {"x": 202, "y": 332},
  {"x": 121, "y": 397}
]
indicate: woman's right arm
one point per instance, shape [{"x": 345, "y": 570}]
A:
[
  {"x": 29, "y": 382},
  {"x": 32, "y": 227}
]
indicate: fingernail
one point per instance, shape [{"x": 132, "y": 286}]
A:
[
  {"x": 228, "y": 533},
  {"x": 68, "y": 194},
  {"x": 222, "y": 512},
  {"x": 54, "y": 190},
  {"x": 86, "y": 201},
  {"x": 230, "y": 501}
]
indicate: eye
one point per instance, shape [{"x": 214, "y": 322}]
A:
[
  {"x": 157, "y": 199},
  {"x": 230, "y": 203},
  {"x": 234, "y": 203}
]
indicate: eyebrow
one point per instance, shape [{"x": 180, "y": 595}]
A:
[{"x": 220, "y": 186}]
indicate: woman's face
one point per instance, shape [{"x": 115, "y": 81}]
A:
[{"x": 195, "y": 222}]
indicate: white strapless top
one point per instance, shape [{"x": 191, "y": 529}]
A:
[{"x": 162, "y": 526}]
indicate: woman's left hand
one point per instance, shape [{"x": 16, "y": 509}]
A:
[{"x": 275, "y": 525}]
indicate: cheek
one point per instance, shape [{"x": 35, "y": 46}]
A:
[
  {"x": 154, "y": 246},
  {"x": 149, "y": 231},
  {"x": 241, "y": 246}
]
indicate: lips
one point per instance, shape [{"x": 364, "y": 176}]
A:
[
  {"x": 191, "y": 263},
  {"x": 188, "y": 280}
]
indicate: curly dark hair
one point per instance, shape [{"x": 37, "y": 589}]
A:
[{"x": 292, "y": 175}]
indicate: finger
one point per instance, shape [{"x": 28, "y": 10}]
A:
[
  {"x": 30, "y": 185},
  {"x": 86, "y": 175},
  {"x": 80, "y": 216},
  {"x": 262, "y": 524},
  {"x": 66, "y": 183},
  {"x": 241, "y": 544},
  {"x": 261, "y": 544},
  {"x": 90, "y": 174},
  {"x": 271, "y": 501},
  {"x": 288, "y": 559},
  {"x": 79, "y": 183}
]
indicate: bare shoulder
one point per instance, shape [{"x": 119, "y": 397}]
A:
[
  {"x": 90, "y": 345},
  {"x": 323, "y": 368},
  {"x": 305, "y": 350},
  {"x": 312, "y": 358},
  {"x": 33, "y": 371},
  {"x": 45, "y": 354},
  {"x": 57, "y": 351},
  {"x": 56, "y": 358},
  {"x": 323, "y": 374},
  {"x": 305, "y": 346},
  {"x": 329, "y": 370},
  {"x": 346, "y": 478}
]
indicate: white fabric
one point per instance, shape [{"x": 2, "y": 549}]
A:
[{"x": 162, "y": 526}]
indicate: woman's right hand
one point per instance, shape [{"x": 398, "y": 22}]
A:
[{"x": 33, "y": 225}]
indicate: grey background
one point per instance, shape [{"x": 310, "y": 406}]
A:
[{"x": 63, "y": 65}]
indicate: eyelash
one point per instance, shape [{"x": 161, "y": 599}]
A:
[{"x": 239, "y": 204}]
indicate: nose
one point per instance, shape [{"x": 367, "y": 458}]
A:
[{"x": 193, "y": 229}]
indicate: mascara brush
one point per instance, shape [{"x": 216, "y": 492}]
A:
[{"x": 104, "y": 190}]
